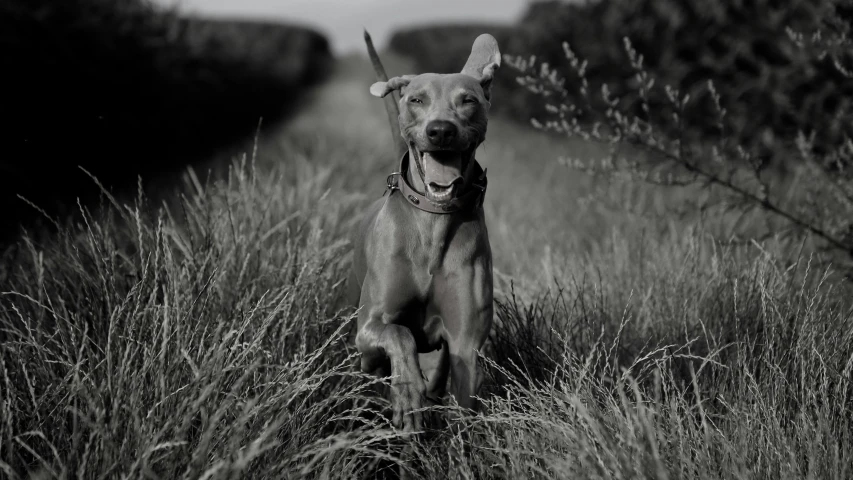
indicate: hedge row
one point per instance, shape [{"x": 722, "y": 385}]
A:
[{"x": 122, "y": 88}]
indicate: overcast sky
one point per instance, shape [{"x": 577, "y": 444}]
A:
[{"x": 342, "y": 21}]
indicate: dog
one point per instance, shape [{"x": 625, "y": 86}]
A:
[{"x": 422, "y": 264}]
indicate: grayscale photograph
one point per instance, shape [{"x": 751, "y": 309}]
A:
[{"x": 436, "y": 239}]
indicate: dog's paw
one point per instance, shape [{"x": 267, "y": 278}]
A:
[{"x": 408, "y": 399}]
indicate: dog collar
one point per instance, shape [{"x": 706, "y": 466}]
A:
[{"x": 472, "y": 199}]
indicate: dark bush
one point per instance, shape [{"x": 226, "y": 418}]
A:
[
  {"x": 123, "y": 88},
  {"x": 769, "y": 139},
  {"x": 774, "y": 87}
]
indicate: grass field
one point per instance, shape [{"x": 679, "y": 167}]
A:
[{"x": 203, "y": 334}]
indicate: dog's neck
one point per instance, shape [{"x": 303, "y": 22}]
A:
[{"x": 433, "y": 231}]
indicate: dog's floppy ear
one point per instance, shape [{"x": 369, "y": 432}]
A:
[
  {"x": 484, "y": 60},
  {"x": 380, "y": 89}
]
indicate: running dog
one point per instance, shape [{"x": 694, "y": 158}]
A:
[{"x": 422, "y": 264}]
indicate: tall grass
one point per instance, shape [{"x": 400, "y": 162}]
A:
[
  {"x": 207, "y": 338},
  {"x": 716, "y": 366},
  {"x": 201, "y": 341}
]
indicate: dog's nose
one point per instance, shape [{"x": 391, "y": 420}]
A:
[{"x": 441, "y": 132}]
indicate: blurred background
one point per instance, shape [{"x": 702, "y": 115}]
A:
[
  {"x": 138, "y": 87},
  {"x": 343, "y": 22}
]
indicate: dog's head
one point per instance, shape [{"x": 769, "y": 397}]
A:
[{"x": 443, "y": 117}]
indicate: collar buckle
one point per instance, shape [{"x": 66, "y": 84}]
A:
[{"x": 392, "y": 182}]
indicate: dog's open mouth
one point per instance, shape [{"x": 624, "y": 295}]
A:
[
  {"x": 442, "y": 173},
  {"x": 442, "y": 193}
]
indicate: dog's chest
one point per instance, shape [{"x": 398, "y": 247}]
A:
[
  {"x": 441, "y": 247},
  {"x": 420, "y": 252}
]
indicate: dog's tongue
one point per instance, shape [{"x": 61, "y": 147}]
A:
[{"x": 442, "y": 168}]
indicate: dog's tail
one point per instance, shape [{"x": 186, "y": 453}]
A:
[{"x": 391, "y": 107}]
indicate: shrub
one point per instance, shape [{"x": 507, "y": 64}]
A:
[
  {"x": 123, "y": 88},
  {"x": 811, "y": 201},
  {"x": 754, "y": 52}
]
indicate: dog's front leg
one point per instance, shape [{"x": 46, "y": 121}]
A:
[
  {"x": 466, "y": 301},
  {"x": 380, "y": 340}
]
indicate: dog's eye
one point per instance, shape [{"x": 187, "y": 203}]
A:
[
  {"x": 415, "y": 100},
  {"x": 469, "y": 101}
]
